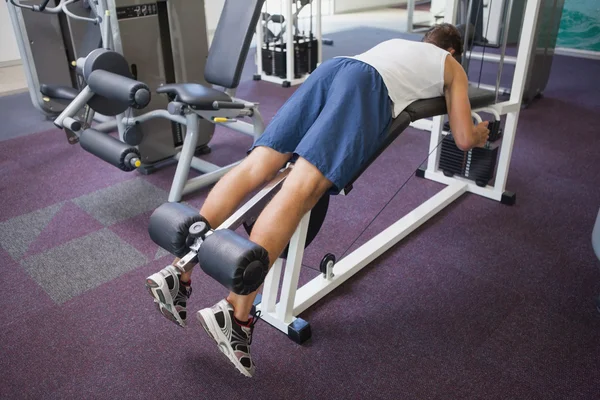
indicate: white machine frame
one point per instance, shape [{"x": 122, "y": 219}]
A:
[
  {"x": 289, "y": 43},
  {"x": 294, "y": 300}
]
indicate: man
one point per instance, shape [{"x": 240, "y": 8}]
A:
[{"x": 334, "y": 122}]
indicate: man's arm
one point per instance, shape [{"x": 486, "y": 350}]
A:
[{"x": 466, "y": 135}]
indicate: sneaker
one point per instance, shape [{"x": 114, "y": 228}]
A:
[
  {"x": 170, "y": 295},
  {"x": 233, "y": 339}
]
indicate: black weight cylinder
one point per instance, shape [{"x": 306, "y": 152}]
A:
[
  {"x": 169, "y": 227},
  {"x": 119, "y": 88},
  {"x": 109, "y": 149},
  {"x": 234, "y": 261}
]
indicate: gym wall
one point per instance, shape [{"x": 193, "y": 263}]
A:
[
  {"x": 9, "y": 52},
  {"x": 213, "y": 12}
]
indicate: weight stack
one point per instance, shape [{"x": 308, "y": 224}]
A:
[
  {"x": 477, "y": 164},
  {"x": 274, "y": 57}
]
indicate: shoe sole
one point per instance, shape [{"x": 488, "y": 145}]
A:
[
  {"x": 210, "y": 325},
  {"x": 158, "y": 289}
]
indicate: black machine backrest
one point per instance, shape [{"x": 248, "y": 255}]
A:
[{"x": 231, "y": 42}]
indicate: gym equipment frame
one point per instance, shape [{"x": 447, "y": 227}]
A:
[{"x": 283, "y": 314}]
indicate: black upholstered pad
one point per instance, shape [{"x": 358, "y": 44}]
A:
[
  {"x": 232, "y": 39},
  {"x": 437, "y": 106},
  {"x": 57, "y": 92},
  {"x": 198, "y": 96}
]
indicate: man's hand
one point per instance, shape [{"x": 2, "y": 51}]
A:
[{"x": 482, "y": 134}]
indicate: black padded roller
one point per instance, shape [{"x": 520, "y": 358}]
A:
[
  {"x": 169, "y": 227},
  {"x": 119, "y": 88},
  {"x": 234, "y": 261},
  {"x": 109, "y": 149}
]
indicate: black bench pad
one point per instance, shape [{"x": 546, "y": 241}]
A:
[
  {"x": 437, "y": 106},
  {"x": 57, "y": 92},
  {"x": 195, "y": 95}
]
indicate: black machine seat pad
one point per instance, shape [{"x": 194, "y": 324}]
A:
[
  {"x": 198, "y": 96},
  {"x": 57, "y": 92},
  {"x": 437, "y": 105}
]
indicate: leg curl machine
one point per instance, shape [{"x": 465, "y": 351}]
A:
[
  {"x": 177, "y": 231},
  {"x": 191, "y": 102}
]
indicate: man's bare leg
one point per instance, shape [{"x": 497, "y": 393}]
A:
[
  {"x": 261, "y": 165},
  {"x": 276, "y": 224}
]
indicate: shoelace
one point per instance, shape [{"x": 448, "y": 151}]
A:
[
  {"x": 183, "y": 293},
  {"x": 255, "y": 318}
]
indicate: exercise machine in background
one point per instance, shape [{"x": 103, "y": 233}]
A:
[
  {"x": 50, "y": 36},
  {"x": 500, "y": 31},
  {"x": 112, "y": 89},
  {"x": 163, "y": 42},
  {"x": 296, "y": 26},
  {"x": 436, "y": 15}
]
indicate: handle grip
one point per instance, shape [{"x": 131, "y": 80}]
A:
[{"x": 219, "y": 105}]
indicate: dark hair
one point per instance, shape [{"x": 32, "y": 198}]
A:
[{"x": 445, "y": 36}]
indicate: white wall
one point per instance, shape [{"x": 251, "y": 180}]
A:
[
  {"x": 213, "y": 12},
  {"x": 438, "y": 7},
  {"x": 8, "y": 44}
]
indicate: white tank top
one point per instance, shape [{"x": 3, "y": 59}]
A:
[{"x": 410, "y": 70}]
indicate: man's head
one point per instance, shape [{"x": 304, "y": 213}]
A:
[{"x": 447, "y": 37}]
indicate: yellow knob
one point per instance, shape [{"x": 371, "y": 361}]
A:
[
  {"x": 74, "y": 63},
  {"x": 220, "y": 119},
  {"x": 138, "y": 163},
  {"x": 46, "y": 99}
]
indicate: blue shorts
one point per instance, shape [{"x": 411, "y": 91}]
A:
[{"x": 336, "y": 120}]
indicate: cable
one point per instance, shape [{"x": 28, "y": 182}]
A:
[
  {"x": 479, "y": 5},
  {"x": 384, "y": 207},
  {"x": 313, "y": 268},
  {"x": 390, "y": 200},
  {"x": 487, "y": 27},
  {"x": 467, "y": 44}
]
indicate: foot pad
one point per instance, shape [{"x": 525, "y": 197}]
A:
[
  {"x": 299, "y": 331},
  {"x": 509, "y": 198}
]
